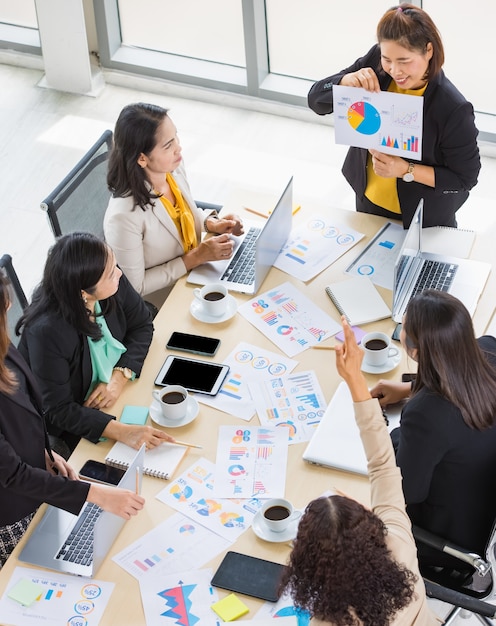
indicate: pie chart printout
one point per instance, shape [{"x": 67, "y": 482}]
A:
[{"x": 364, "y": 118}]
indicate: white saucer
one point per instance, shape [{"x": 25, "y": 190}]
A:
[
  {"x": 197, "y": 312},
  {"x": 260, "y": 529},
  {"x": 389, "y": 365},
  {"x": 158, "y": 418}
]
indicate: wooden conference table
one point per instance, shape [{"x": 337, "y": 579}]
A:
[{"x": 304, "y": 481}]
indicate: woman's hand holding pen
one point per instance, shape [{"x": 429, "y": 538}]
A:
[
  {"x": 118, "y": 501},
  {"x": 365, "y": 78}
]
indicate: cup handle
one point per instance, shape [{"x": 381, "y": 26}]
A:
[
  {"x": 393, "y": 351},
  {"x": 196, "y": 293},
  {"x": 156, "y": 394},
  {"x": 294, "y": 515}
]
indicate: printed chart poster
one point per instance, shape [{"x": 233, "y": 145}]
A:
[
  {"x": 377, "y": 259},
  {"x": 294, "y": 402},
  {"x": 175, "y": 545},
  {"x": 64, "y": 600},
  {"x": 246, "y": 362},
  {"x": 388, "y": 122},
  {"x": 195, "y": 495},
  {"x": 314, "y": 245},
  {"x": 289, "y": 319},
  {"x": 180, "y": 599},
  {"x": 251, "y": 462}
]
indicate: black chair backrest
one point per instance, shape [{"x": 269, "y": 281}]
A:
[
  {"x": 19, "y": 300},
  {"x": 79, "y": 202}
]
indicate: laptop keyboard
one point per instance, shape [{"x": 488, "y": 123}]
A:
[
  {"x": 78, "y": 547},
  {"x": 241, "y": 269},
  {"x": 435, "y": 275}
]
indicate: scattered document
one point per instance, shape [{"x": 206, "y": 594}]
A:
[
  {"x": 246, "y": 362},
  {"x": 283, "y": 609},
  {"x": 289, "y": 319},
  {"x": 384, "y": 121},
  {"x": 314, "y": 245},
  {"x": 377, "y": 259},
  {"x": 184, "y": 598},
  {"x": 64, "y": 600},
  {"x": 175, "y": 545},
  {"x": 193, "y": 494},
  {"x": 294, "y": 403},
  {"x": 251, "y": 462}
]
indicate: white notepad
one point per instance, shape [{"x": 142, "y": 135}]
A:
[
  {"x": 358, "y": 299},
  {"x": 161, "y": 461}
]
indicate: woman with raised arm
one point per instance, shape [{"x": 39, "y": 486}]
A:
[
  {"x": 30, "y": 472},
  {"x": 351, "y": 565},
  {"x": 85, "y": 336}
]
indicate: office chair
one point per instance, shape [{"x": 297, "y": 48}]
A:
[
  {"x": 79, "y": 202},
  {"x": 466, "y": 587},
  {"x": 19, "y": 300}
]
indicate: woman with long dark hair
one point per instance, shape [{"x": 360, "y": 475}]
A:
[
  {"x": 152, "y": 222},
  {"x": 351, "y": 565},
  {"x": 85, "y": 336},
  {"x": 446, "y": 443},
  {"x": 30, "y": 472}
]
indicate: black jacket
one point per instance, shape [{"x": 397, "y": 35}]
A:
[
  {"x": 59, "y": 357},
  {"x": 24, "y": 481},
  {"x": 449, "y": 145}
]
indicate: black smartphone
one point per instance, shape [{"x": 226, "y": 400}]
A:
[
  {"x": 196, "y": 344},
  {"x": 98, "y": 472},
  {"x": 396, "y": 332},
  {"x": 194, "y": 374},
  {"x": 407, "y": 378}
]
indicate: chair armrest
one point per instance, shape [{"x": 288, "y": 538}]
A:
[
  {"x": 456, "y": 598},
  {"x": 434, "y": 541},
  {"x": 208, "y": 205}
]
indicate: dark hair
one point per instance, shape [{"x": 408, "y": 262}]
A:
[
  {"x": 340, "y": 568},
  {"x": 411, "y": 27},
  {"x": 8, "y": 382},
  {"x": 450, "y": 361},
  {"x": 135, "y": 133},
  {"x": 75, "y": 262}
]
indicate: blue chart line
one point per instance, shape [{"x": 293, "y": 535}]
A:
[{"x": 310, "y": 398}]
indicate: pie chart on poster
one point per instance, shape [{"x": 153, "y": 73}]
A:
[{"x": 364, "y": 118}]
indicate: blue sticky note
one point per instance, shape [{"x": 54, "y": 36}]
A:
[{"x": 132, "y": 414}]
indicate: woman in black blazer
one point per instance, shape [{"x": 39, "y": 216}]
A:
[
  {"x": 30, "y": 473},
  {"x": 84, "y": 301},
  {"x": 446, "y": 442},
  {"x": 408, "y": 59}
]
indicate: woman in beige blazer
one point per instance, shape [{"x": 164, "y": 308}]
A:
[{"x": 152, "y": 222}]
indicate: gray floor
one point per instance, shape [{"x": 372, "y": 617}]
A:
[{"x": 43, "y": 133}]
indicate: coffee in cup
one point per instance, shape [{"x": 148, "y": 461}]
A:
[
  {"x": 377, "y": 349},
  {"x": 213, "y": 299},
  {"x": 173, "y": 401},
  {"x": 278, "y": 513}
]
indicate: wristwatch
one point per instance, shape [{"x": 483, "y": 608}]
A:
[
  {"x": 126, "y": 372},
  {"x": 213, "y": 216},
  {"x": 409, "y": 177}
]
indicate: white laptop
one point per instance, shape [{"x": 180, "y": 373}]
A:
[
  {"x": 255, "y": 251},
  {"x": 48, "y": 544},
  {"x": 336, "y": 442},
  {"x": 416, "y": 270}
]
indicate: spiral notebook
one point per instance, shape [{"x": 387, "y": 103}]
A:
[
  {"x": 161, "y": 461},
  {"x": 358, "y": 299}
]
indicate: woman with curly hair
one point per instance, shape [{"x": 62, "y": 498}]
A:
[{"x": 350, "y": 565}]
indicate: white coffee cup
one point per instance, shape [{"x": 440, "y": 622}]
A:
[
  {"x": 278, "y": 513},
  {"x": 213, "y": 298},
  {"x": 377, "y": 349},
  {"x": 173, "y": 401}
]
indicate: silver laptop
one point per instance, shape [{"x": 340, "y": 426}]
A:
[
  {"x": 58, "y": 541},
  {"x": 416, "y": 270},
  {"x": 255, "y": 251},
  {"x": 336, "y": 442}
]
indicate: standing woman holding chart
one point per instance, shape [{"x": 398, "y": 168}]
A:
[{"x": 408, "y": 59}]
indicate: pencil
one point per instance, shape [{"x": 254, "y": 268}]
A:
[
  {"x": 187, "y": 445},
  {"x": 137, "y": 480},
  {"x": 256, "y": 212},
  {"x": 324, "y": 347}
]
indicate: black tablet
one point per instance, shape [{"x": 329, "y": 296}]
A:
[{"x": 249, "y": 575}]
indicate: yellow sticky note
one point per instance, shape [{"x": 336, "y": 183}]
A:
[
  {"x": 230, "y": 608},
  {"x": 25, "y": 592}
]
